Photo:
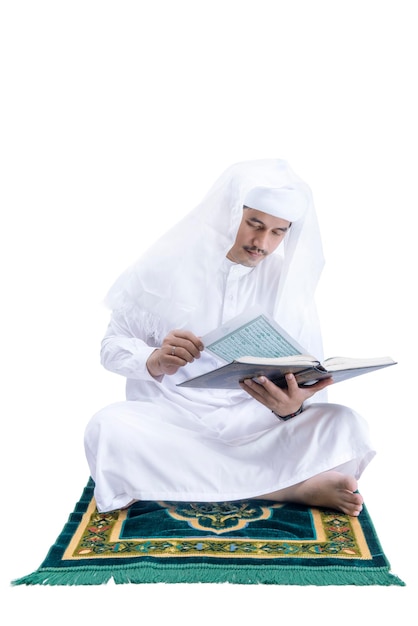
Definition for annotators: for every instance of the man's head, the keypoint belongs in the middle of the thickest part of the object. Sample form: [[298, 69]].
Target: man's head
[[259, 234], [267, 216]]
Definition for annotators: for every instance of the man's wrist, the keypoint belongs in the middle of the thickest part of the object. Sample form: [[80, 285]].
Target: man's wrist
[[284, 418], [153, 365]]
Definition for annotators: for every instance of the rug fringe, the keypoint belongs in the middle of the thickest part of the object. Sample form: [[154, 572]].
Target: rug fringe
[[321, 576], [67, 578]]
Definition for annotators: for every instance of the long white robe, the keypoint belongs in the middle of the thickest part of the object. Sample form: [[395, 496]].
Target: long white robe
[[171, 443]]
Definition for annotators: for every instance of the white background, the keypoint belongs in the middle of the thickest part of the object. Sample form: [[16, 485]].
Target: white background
[[116, 118]]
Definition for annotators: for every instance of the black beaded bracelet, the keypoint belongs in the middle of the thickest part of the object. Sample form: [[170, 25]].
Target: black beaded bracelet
[[284, 418]]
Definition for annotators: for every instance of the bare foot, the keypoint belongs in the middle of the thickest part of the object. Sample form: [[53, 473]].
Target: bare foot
[[329, 489]]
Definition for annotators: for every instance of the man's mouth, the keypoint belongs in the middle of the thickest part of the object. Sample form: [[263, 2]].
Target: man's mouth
[[254, 252]]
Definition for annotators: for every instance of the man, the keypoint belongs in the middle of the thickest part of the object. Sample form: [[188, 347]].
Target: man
[[253, 240]]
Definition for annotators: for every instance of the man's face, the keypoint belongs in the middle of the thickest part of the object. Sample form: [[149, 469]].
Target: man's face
[[259, 234]]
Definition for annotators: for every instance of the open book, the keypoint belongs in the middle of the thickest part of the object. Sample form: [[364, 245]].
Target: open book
[[273, 354]]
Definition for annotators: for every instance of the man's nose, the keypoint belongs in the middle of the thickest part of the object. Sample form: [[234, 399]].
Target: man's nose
[[260, 240]]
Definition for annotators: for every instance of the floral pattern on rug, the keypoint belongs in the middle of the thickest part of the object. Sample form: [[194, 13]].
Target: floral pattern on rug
[[102, 534]]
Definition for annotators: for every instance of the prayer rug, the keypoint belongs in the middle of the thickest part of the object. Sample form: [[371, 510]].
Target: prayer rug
[[245, 542]]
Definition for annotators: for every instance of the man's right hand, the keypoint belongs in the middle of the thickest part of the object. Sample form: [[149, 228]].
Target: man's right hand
[[178, 348]]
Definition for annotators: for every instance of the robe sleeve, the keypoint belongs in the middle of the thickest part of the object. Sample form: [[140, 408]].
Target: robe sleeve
[[125, 347]]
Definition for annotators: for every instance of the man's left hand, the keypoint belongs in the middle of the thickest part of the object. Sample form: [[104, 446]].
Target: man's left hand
[[282, 401]]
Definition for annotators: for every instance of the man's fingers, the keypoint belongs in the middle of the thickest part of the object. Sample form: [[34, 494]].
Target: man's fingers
[[256, 390], [183, 344], [292, 384], [187, 355]]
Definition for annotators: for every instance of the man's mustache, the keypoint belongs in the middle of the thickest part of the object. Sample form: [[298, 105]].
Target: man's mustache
[[255, 249]]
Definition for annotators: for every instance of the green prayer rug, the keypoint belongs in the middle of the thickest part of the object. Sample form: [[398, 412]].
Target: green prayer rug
[[245, 542]]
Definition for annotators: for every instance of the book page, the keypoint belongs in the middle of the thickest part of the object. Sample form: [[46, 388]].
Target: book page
[[294, 360], [334, 364], [250, 334]]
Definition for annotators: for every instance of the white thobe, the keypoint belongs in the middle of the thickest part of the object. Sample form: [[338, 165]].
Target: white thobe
[[173, 443]]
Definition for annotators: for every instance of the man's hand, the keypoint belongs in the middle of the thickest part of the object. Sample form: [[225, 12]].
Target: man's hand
[[282, 401], [178, 348]]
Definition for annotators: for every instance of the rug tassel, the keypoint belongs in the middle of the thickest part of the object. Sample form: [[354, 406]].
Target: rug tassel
[[321, 576], [69, 578]]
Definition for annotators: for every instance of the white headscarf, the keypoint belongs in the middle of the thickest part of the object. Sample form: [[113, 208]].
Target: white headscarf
[[172, 280]]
